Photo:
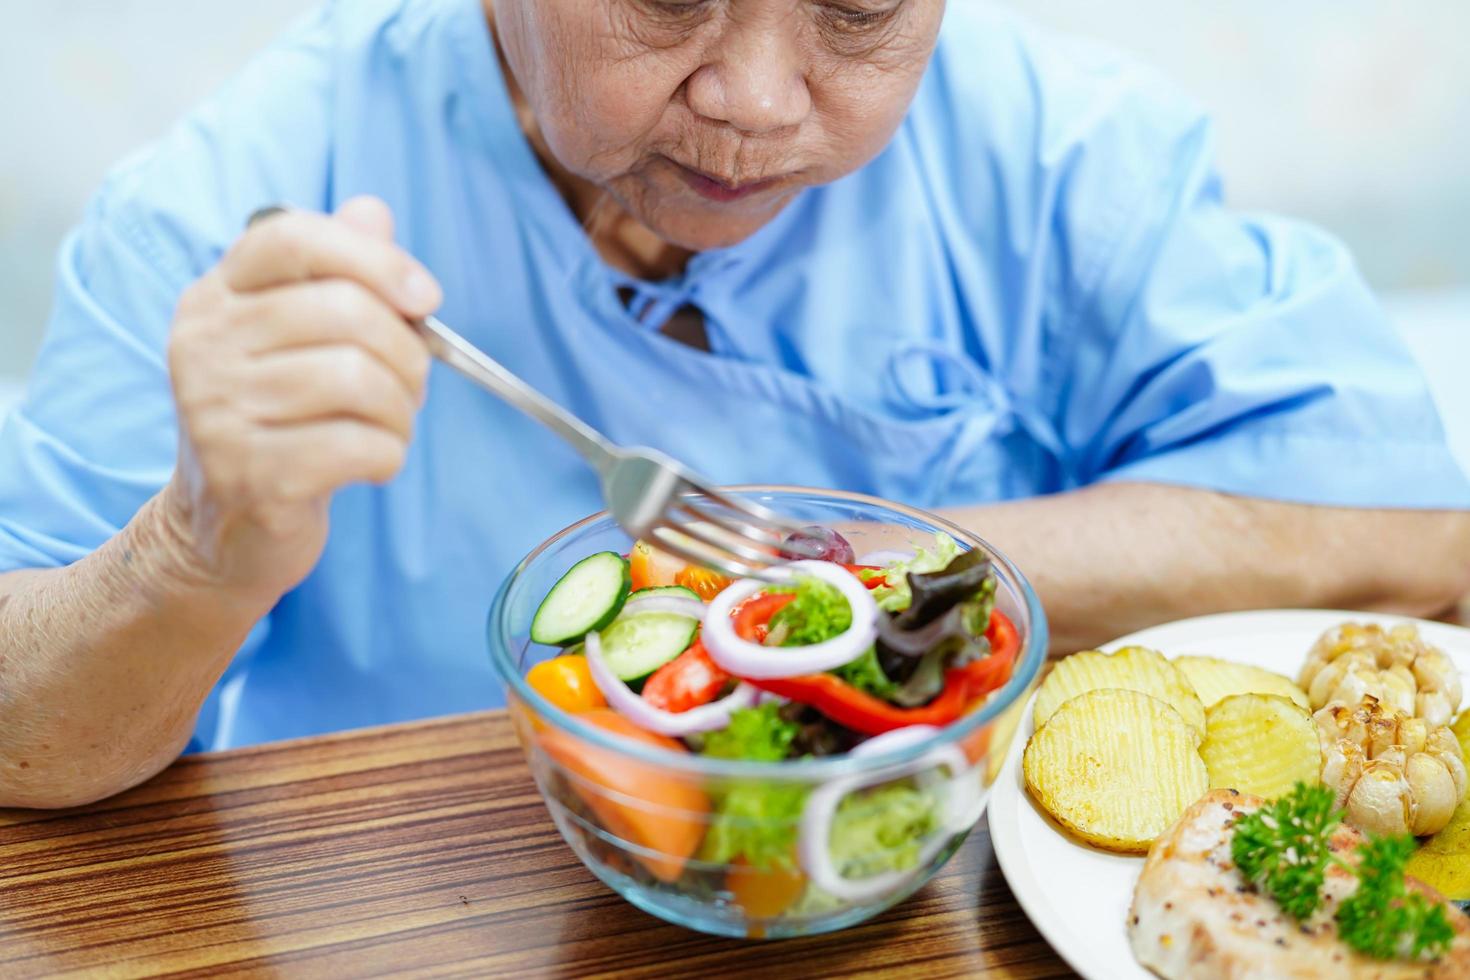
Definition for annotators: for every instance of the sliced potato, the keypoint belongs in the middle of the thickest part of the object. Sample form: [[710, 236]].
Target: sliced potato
[[1131, 669], [1115, 767], [1214, 680], [1260, 744]]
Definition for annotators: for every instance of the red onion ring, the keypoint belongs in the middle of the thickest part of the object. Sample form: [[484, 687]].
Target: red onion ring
[[744, 658], [962, 804]]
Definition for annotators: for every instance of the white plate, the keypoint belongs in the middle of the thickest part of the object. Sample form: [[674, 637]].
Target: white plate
[[1078, 896]]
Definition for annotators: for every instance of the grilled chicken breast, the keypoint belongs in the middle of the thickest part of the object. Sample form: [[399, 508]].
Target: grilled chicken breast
[[1194, 916]]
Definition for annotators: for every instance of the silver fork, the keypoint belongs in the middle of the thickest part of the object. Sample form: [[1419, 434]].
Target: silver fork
[[643, 488]]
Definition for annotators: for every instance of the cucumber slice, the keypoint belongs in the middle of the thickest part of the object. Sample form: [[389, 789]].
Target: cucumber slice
[[677, 591], [636, 645], [588, 597]]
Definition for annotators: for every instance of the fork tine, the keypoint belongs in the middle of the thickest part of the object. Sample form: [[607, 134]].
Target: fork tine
[[758, 514], [734, 524], [674, 547], [677, 547], [754, 520], [724, 538]]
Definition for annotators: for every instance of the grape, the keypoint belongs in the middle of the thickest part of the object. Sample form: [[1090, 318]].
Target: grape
[[819, 543]]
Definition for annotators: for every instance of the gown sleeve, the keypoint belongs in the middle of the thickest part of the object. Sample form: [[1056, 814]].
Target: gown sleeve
[[95, 434], [1242, 353]]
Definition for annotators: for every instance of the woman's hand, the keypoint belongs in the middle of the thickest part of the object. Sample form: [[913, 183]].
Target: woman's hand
[[295, 374]]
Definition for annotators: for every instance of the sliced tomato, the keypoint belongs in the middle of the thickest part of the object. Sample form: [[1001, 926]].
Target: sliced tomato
[[662, 813], [753, 616], [872, 582], [687, 681], [703, 582], [649, 567]]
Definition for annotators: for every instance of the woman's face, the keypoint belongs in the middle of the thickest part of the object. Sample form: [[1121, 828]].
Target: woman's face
[[703, 118]]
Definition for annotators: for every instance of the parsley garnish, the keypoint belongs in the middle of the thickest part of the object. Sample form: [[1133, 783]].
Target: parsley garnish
[[1284, 849], [1381, 918]]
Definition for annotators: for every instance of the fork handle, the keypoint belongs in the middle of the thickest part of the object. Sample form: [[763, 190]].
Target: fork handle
[[497, 379]]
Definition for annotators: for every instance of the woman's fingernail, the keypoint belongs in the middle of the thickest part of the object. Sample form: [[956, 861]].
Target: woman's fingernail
[[419, 290]]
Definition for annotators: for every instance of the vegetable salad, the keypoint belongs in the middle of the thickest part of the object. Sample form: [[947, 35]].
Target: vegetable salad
[[840, 656]]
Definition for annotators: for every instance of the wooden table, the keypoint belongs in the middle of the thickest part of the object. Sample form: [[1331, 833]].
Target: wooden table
[[413, 849]]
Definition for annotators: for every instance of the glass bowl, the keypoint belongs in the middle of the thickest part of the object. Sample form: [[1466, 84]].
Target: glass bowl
[[725, 846]]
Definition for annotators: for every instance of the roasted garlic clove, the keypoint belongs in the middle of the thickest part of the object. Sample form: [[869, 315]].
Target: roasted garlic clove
[[1349, 721], [1433, 791], [1383, 732], [1347, 679], [1381, 801], [1413, 734], [1342, 764], [1396, 689], [1443, 745], [1390, 772], [1435, 707], [1397, 667]]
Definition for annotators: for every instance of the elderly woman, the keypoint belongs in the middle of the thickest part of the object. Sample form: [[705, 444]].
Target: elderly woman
[[826, 242]]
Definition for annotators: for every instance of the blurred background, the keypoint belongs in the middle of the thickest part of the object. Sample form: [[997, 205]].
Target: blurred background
[[1352, 113]]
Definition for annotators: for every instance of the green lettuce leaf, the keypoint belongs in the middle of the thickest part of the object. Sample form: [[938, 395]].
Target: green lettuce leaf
[[866, 674], [894, 595], [759, 734], [819, 612], [755, 819]]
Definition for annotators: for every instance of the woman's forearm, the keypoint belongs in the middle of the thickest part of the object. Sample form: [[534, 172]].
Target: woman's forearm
[[1113, 558], [104, 664]]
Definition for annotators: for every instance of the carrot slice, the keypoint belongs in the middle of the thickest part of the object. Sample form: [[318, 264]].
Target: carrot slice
[[639, 803], [764, 893]]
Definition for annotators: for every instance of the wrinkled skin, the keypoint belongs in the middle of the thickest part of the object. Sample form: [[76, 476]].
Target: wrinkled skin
[[792, 93]]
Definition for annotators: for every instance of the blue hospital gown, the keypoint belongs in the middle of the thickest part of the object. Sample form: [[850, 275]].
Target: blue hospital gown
[[1035, 287]]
